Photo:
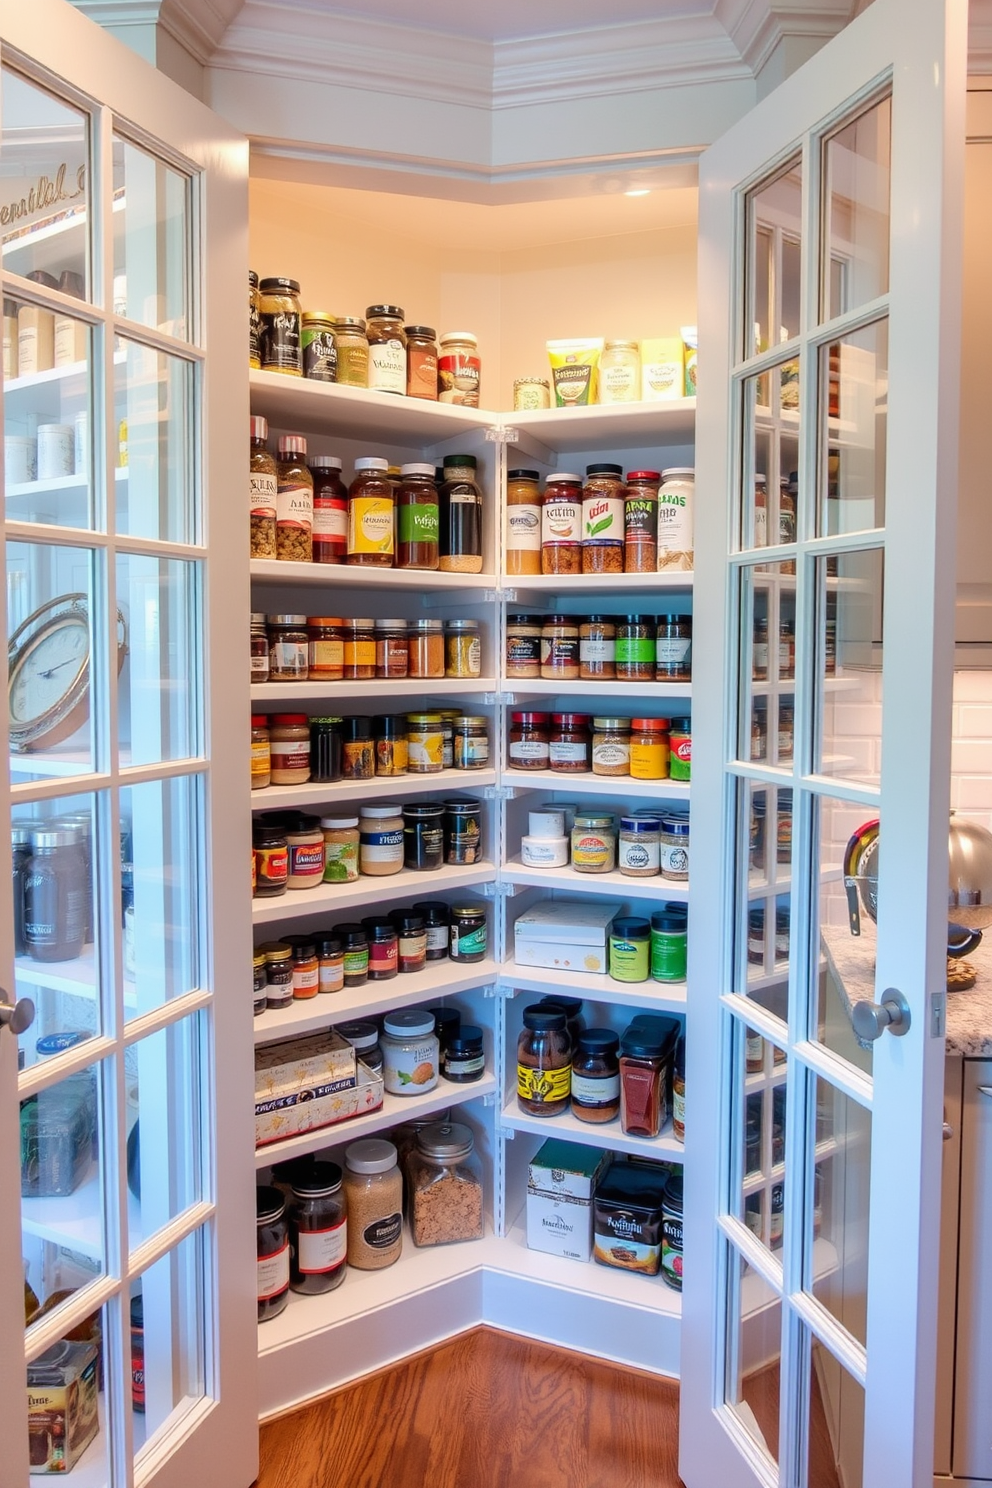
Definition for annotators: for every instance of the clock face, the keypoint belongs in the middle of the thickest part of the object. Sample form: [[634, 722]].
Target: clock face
[[47, 676]]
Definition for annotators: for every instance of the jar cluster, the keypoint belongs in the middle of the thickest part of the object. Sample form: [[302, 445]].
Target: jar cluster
[[600, 744], [292, 850], [605, 522], [332, 648], [377, 351], [413, 516], [644, 843], [599, 648], [293, 748]]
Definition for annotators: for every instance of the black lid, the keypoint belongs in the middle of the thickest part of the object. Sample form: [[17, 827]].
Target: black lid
[[252, 279], [606, 469], [464, 1040], [292, 285], [448, 1019], [269, 1203], [545, 1019], [456, 460], [422, 810], [638, 619], [435, 912], [427, 331], [138, 1311], [379, 927], [320, 1178], [571, 1005], [597, 1041], [389, 726], [523, 475], [464, 808], [630, 926], [41, 276], [644, 1040], [673, 1192], [303, 946], [394, 312], [680, 1055], [406, 920], [357, 728], [756, 916], [661, 919], [329, 945], [354, 935]]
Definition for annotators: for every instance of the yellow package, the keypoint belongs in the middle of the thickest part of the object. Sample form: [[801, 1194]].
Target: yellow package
[[661, 368], [575, 371], [690, 346]]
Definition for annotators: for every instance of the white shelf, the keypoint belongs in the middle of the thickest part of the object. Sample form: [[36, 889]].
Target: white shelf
[[79, 976], [595, 986], [305, 406], [616, 885], [439, 979], [32, 380], [341, 576], [381, 695], [340, 898], [643, 695], [663, 1148], [394, 1111], [75, 1221], [670, 581], [334, 793], [595, 785], [609, 425], [584, 1277], [52, 763]]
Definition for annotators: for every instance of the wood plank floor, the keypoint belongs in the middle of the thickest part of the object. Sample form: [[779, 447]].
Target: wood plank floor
[[486, 1410]]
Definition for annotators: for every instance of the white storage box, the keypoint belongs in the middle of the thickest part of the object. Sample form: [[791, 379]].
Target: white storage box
[[567, 934], [319, 1058], [559, 1225]]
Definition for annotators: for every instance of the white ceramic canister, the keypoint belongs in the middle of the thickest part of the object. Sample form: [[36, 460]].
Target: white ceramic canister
[[676, 496], [548, 822], [56, 451], [20, 459], [544, 852]]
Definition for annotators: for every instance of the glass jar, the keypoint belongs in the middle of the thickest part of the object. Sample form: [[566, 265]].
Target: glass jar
[[330, 510], [460, 516], [279, 316], [426, 648], [423, 836], [320, 357], [305, 969], [594, 842], [597, 648], [669, 940], [639, 847], [676, 499], [412, 935], [459, 370], [673, 648], [410, 1052], [271, 860], [629, 949], [278, 973], [357, 749], [468, 933], [569, 743], [330, 963], [462, 832], [636, 653], [363, 1037], [595, 1085], [371, 517], [259, 648], [544, 1062], [671, 1225], [272, 1251], [289, 648], [392, 751], [560, 648], [471, 742], [373, 1189], [261, 757], [326, 748], [289, 744], [352, 346], [640, 522], [786, 649], [417, 518], [444, 1180], [649, 749], [425, 742], [786, 731], [325, 647], [392, 651], [305, 845], [561, 524], [254, 326], [602, 519], [436, 916], [523, 523], [759, 650], [340, 848], [449, 717], [263, 487], [421, 362], [530, 394], [463, 1058], [675, 848], [760, 512], [359, 649], [294, 501], [611, 746], [620, 372], [529, 741], [355, 948], [642, 1076], [387, 348], [523, 646], [680, 740], [258, 983], [380, 852], [318, 1230], [383, 948], [462, 649]]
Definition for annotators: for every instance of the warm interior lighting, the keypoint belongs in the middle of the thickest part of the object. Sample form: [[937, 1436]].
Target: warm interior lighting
[[641, 191]]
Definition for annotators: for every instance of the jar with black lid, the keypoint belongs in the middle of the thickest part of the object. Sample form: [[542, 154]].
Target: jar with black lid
[[387, 348], [363, 1036], [447, 1021], [569, 743], [673, 648], [254, 322], [460, 517], [572, 1008], [384, 954], [271, 859], [469, 932], [259, 646], [412, 933], [272, 1250], [318, 1230], [358, 750], [463, 1058], [421, 362], [259, 1002], [423, 836], [278, 973], [279, 316], [596, 1075], [355, 940], [462, 832], [529, 741], [636, 649], [392, 751], [544, 1062], [325, 748], [436, 916]]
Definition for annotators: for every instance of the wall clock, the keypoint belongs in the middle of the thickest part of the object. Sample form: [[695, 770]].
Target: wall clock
[[48, 672]]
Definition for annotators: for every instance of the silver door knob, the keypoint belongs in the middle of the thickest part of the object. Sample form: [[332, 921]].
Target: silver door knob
[[871, 1019], [17, 1016]]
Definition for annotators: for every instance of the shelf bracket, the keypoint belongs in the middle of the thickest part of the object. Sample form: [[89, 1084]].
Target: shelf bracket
[[499, 793], [501, 434], [507, 1133]]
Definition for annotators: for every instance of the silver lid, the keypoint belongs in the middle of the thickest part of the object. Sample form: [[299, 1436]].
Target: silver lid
[[44, 837], [371, 1155], [286, 619], [446, 1139]]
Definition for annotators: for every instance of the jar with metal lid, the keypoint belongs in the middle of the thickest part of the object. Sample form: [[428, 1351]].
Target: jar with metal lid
[[410, 1052], [417, 518], [468, 932], [560, 647], [620, 372], [530, 394], [675, 847], [371, 516], [392, 654], [330, 509], [459, 369], [561, 524], [595, 1083], [325, 648], [383, 948], [259, 648], [254, 325], [278, 973], [392, 751], [261, 756], [330, 963], [680, 740], [320, 355], [373, 1187], [676, 499], [387, 348], [258, 983], [294, 501], [279, 316], [305, 845], [289, 745], [639, 847], [380, 852], [426, 648], [340, 848], [640, 518], [421, 362], [355, 945], [436, 916], [318, 1230], [263, 487], [528, 746], [359, 649], [649, 748], [523, 523], [603, 497], [326, 748], [462, 832], [352, 346], [444, 1179], [289, 648], [544, 1062], [271, 858], [611, 746], [425, 743], [460, 516], [597, 648], [673, 648], [423, 836], [363, 1036], [523, 646], [412, 935], [636, 655], [462, 649], [569, 743], [357, 749], [471, 742], [594, 842], [272, 1252]]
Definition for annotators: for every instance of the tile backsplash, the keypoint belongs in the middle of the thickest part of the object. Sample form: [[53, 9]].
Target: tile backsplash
[[971, 746]]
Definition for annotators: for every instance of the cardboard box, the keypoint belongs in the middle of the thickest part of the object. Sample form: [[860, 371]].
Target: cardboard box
[[62, 1406], [662, 369], [300, 1063], [568, 1170], [564, 933], [310, 1107], [559, 1225]]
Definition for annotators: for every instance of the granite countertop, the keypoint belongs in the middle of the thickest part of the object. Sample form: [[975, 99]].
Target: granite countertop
[[851, 959]]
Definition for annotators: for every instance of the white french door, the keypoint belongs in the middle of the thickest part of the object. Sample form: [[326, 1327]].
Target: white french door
[[125, 1105], [830, 225]]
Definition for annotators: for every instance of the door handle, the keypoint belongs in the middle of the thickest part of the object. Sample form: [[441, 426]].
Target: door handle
[[871, 1019], [947, 1131], [17, 1016]]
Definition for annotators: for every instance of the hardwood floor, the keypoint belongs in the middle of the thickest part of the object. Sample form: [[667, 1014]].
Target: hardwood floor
[[486, 1410]]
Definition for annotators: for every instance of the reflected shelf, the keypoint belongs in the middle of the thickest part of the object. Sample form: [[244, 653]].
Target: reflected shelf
[[638, 693], [76, 1220], [418, 690], [333, 792], [607, 425], [518, 586], [343, 576]]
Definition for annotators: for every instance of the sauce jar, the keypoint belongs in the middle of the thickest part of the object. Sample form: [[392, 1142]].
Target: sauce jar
[[254, 326], [594, 843], [330, 510], [325, 648], [279, 317], [330, 963], [320, 357], [410, 1052], [569, 743], [597, 648], [355, 946], [359, 649], [380, 851], [371, 516], [306, 975], [340, 848], [640, 522], [426, 648], [603, 519], [673, 648], [522, 553], [392, 751], [357, 749], [636, 649], [595, 1085], [649, 750], [263, 486], [544, 1062], [611, 746], [421, 362], [561, 524], [259, 646], [373, 1187], [387, 348], [436, 916], [471, 742], [289, 648], [278, 973], [468, 932], [459, 370], [305, 845], [463, 1059], [560, 648], [417, 518], [392, 648], [462, 649], [383, 948], [412, 935], [462, 832], [318, 1230], [352, 346], [423, 836], [639, 846], [261, 757], [294, 501], [272, 1251], [271, 860], [523, 646], [289, 745], [425, 742], [680, 739], [528, 747]]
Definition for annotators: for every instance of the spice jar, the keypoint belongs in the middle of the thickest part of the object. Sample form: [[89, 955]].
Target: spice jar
[[325, 748], [523, 522], [560, 648], [569, 743], [636, 649], [639, 846], [380, 852], [611, 746], [629, 949], [468, 932], [459, 370], [426, 648], [370, 515], [305, 968], [364, 1039], [620, 372], [544, 1062], [680, 739], [254, 326], [643, 1073], [340, 848], [597, 648], [320, 357], [676, 498], [325, 648], [289, 744], [357, 749], [387, 348], [462, 832], [444, 1178], [259, 648], [271, 860], [289, 648], [461, 506], [294, 501], [383, 948], [673, 648], [417, 518], [595, 1085], [528, 747], [594, 842], [449, 717], [436, 916], [330, 963], [423, 836], [471, 742], [421, 362], [462, 649], [391, 747], [261, 757], [359, 649], [278, 973], [640, 522], [279, 317], [352, 346], [272, 1251], [602, 519], [425, 742], [318, 1230], [263, 487], [410, 1052], [561, 524], [530, 394], [305, 846], [258, 983], [668, 943], [373, 1189], [392, 655], [355, 945], [330, 510], [523, 646], [649, 748], [675, 847], [412, 935]]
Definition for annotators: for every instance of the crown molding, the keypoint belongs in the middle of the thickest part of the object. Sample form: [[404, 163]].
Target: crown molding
[[110, 13], [199, 25], [757, 26]]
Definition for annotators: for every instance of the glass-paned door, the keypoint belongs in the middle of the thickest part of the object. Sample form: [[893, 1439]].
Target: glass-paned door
[[125, 932], [830, 229]]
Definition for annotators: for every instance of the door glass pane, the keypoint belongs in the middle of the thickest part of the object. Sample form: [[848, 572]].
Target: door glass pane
[[850, 590], [836, 1264], [161, 684], [836, 1423], [763, 943], [167, 1338], [856, 186], [774, 252], [846, 839], [44, 165], [753, 1359], [165, 1132], [61, 1180], [151, 240], [154, 477], [68, 1429], [762, 1199], [161, 890], [852, 432], [771, 459], [768, 664]]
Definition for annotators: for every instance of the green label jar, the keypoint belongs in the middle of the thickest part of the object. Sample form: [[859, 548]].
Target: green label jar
[[630, 944], [668, 947]]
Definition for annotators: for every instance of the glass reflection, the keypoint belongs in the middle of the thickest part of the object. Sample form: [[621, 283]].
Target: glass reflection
[[856, 175], [846, 838], [61, 1172], [44, 195], [853, 423], [162, 1076], [167, 1344], [836, 1261], [771, 458], [753, 1378], [154, 481], [160, 889], [836, 1405], [47, 467], [850, 594], [161, 685], [774, 259], [152, 267]]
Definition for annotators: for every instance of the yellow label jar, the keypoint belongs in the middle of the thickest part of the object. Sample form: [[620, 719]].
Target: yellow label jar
[[425, 743], [370, 515], [649, 750], [594, 843]]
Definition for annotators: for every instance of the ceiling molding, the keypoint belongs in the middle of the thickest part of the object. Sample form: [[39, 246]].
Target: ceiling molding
[[757, 26], [110, 13], [199, 25]]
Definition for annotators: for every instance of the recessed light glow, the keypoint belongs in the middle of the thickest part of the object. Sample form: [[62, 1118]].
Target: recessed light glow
[[643, 191]]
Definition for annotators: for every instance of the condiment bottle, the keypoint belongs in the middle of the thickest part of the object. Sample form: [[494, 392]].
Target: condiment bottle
[[55, 907], [561, 524], [421, 362], [461, 512], [459, 369], [596, 1075], [330, 510], [544, 1062], [325, 648], [370, 515], [523, 646], [643, 1108], [676, 498], [523, 522], [387, 348], [417, 518], [294, 502], [320, 356], [279, 326], [263, 487], [411, 1052]]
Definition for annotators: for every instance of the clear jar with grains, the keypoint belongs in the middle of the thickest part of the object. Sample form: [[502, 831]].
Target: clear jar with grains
[[673, 648], [570, 744], [523, 646], [676, 500], [640, 517], [263, 488], [611, 746], [444, 1176], [289, 648], [373, 1187], [636, 649], [352, 346], [289, 745], [387, 348], [560, 647], [603, 498], [371, 515], [330, 510], [462, 649], [392, 651], [674, 841], [294, 502], [426, 648], [561, 524], [598, 648], [523, 522], [594, 842], [279, 317], [620, 372], [639, 846], [421, 362]]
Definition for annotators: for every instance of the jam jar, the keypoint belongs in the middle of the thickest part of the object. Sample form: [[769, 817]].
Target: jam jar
[[387, 348], [529, 741], [272, 1249], [569, 743]]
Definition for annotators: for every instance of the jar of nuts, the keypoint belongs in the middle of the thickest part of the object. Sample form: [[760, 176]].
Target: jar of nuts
[[444, 1179], [263, 486], [294, 502]]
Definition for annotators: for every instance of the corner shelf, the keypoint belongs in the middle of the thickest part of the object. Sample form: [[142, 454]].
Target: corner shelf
[[334, 793], [334, 898], [616, 884], [663, 1148], [304, 405], [594, 785], [417, 689], [595, 986], [344, 576]]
